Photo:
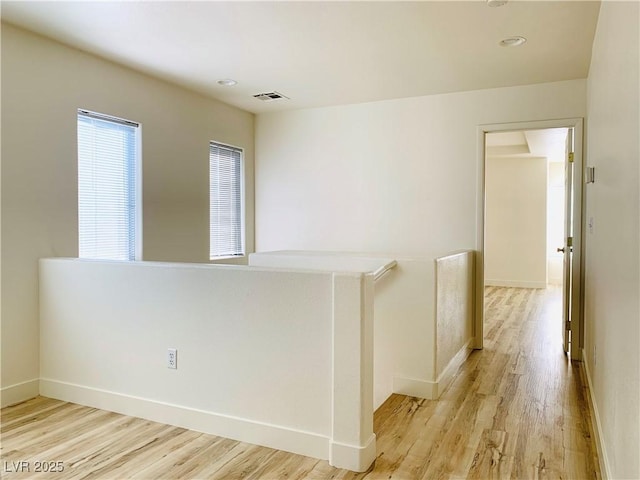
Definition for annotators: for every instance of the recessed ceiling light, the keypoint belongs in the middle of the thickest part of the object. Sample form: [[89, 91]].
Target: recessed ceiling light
[[512, 42], [496, 3], [227, 82]]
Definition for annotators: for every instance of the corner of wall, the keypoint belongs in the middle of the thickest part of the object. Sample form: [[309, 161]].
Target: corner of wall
[[354, 458], [353, 444]]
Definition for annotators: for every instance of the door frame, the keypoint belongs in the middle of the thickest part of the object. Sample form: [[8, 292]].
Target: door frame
[[577, 308]]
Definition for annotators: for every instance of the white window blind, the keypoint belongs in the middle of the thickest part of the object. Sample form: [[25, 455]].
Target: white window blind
[[225, 201], [107, 187]]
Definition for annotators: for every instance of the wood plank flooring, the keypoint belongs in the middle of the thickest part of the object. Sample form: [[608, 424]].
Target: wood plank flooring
[[517, 409]]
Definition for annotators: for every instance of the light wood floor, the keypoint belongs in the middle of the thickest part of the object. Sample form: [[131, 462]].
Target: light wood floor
[[516, 409]]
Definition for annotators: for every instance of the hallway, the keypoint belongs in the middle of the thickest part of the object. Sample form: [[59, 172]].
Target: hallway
[[517, 409]]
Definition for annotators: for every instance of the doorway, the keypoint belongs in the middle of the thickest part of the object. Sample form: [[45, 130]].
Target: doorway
[[522, 227]]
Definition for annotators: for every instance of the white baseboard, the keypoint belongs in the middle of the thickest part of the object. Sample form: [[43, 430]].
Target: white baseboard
[[605, 470], [414, 387], [354, 458], [514, 283], [272, 436], [19, 392], [444, 379]]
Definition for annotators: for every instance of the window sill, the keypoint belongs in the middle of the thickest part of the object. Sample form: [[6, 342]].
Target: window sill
[[230, 259]]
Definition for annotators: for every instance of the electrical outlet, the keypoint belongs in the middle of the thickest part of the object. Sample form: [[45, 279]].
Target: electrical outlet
[[172, 358]]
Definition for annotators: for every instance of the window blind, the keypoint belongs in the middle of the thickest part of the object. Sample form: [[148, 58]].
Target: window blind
[[225, 201], [107, 183]]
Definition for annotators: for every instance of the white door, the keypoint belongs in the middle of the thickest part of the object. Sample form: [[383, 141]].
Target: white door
[[567, 248]]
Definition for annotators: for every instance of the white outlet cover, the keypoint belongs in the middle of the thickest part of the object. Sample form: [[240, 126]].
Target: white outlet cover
[[172, 358]]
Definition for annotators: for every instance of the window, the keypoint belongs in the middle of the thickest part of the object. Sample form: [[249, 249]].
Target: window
[[108, 187], [225, 201]]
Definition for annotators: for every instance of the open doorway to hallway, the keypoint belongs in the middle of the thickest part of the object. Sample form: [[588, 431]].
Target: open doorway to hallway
[[572, 319], [518, 234], [524, 207], [531, 209]]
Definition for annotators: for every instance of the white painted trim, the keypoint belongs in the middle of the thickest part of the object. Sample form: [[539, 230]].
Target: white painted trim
[[478, 320], [444, 379], [352, 457], [514, 284], [272, 436], [19, 392], [414, 387], [605, 470]]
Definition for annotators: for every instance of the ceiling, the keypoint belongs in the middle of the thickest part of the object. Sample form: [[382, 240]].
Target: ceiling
[[326, 53], [549, 143]]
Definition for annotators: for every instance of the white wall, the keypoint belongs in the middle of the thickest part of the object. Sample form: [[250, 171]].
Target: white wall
[[612, 328], [277, 358], [555, 222], [515, 252], [396, 176], [107, 326], [43, 85], [399, 177], [422, 315], [383, 358], [409, 283]]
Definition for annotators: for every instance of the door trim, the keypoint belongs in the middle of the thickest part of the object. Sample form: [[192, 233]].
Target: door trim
[[578, 225]]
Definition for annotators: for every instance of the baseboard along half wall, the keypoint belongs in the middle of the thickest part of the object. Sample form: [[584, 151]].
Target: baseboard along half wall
[[357, 459], [444, 379], [514, 284], [430, 390], [272, 436], [414, 387], [19, 392]]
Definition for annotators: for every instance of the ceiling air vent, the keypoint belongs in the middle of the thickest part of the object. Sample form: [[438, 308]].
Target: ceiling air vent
[[270, 96]]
